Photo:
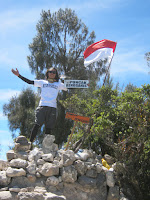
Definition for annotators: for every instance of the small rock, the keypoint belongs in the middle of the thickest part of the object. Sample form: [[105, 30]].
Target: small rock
[[67, 158], [52, 181], [31, 168], [48, 157], [22, 144], [4, 180], [110, 160], [35, 154], [40, 162], [38, 175], [14, 189], [11, 155], [4, 189], [80, 167], [49, 169], [69, 174], [11, 172], [48, 144], [4, 165], [40, 189], [50, 196], [30, 195], [84, 155], [21, 140], [5, 195], [18, 163], [110, 178], [98, 167], [31, 178], [24, 190], [22, 155]]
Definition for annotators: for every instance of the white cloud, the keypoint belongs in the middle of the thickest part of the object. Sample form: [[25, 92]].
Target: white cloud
[[6, 94], [22, 17], [89, 6], [9, 56], [124, 62], [5, 57], [129, 57], [13, 20]]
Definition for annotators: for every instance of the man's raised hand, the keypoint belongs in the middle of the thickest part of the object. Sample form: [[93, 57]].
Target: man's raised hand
[[16, 72]]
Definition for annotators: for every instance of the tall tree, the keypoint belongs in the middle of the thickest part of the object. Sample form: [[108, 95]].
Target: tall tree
[[20, 112], [60, 41]]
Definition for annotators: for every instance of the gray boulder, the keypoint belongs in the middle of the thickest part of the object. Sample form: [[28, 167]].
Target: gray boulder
[[6, 195], [22, 144], [67, 158], [11, 155], [48, 145], [30, 196], [4, 179], [80, 167], [31, 168], [12, 172], [49, 169], [69, 174], [4, 165], [18, 163], [110, 178]]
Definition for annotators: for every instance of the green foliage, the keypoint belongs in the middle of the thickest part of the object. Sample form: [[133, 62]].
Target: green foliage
[[130, 88], [120, 128], [20, 112]]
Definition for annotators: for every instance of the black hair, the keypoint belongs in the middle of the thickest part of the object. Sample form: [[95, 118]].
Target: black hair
[[56, 77]]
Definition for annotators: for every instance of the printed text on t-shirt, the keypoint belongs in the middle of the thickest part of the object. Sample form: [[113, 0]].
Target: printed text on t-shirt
[[51, 86]]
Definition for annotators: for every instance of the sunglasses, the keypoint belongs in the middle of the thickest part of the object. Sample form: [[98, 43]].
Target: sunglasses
[[52, 72]]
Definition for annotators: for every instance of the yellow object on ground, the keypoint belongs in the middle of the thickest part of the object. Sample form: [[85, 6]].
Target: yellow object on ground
[[105, 164]]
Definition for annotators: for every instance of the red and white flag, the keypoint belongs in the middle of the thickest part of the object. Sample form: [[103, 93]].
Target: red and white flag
[[99, 51]]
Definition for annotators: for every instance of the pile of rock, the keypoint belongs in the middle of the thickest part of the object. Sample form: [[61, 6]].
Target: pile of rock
[[50, 173]]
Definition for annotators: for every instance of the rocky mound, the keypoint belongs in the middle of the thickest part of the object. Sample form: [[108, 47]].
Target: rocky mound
[[52, 173]]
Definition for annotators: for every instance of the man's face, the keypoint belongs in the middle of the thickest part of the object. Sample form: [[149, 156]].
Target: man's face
[[51, 74]]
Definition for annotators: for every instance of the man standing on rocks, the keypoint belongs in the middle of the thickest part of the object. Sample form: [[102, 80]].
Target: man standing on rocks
[[46, 111]]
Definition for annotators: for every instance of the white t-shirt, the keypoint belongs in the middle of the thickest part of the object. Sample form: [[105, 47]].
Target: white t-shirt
[[49, 92]]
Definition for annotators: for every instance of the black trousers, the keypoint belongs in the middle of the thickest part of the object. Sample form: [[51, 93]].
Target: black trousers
[[43, 115]]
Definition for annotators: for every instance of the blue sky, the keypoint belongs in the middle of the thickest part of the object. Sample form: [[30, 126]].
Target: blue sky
[[124, 21]]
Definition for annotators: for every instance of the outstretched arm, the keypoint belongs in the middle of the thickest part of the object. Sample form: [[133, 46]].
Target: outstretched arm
[[16, 72]]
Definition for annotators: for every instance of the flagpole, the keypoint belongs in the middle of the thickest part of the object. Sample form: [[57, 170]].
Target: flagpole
[[109, 67], [107, 70]]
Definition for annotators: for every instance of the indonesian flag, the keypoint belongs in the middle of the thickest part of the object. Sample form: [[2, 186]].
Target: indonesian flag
[[99, 51]]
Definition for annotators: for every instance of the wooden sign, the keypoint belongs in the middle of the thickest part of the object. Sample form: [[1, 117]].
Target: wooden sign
[[77, 118], [76, 83]]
